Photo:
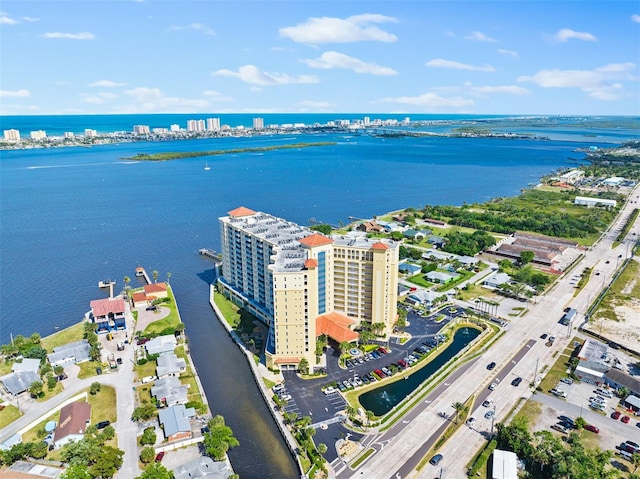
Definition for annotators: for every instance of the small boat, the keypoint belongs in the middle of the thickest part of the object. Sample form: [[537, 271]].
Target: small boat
[[105, 283], [206, 166]]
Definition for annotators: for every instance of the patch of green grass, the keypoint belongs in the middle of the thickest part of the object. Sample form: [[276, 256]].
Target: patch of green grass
[[557, 371], [88, 369], [66, 336], [48, 394], [361, 458], [5, 367], [531, 410], [8, 415], [464, 275], [37, 432], [170, 321], [228, 309], [103, 405], [268, 383], [420, 280], [144, 370]]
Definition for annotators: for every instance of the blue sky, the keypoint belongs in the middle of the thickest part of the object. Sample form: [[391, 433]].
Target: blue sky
[[414, 56]]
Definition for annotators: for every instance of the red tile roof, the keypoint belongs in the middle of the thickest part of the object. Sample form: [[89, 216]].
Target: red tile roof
[[155, 288], [380, 245], [311, 263], [242, 211], [315, 240], [336, 326], [74, 418], [139, 297], [102, 307]]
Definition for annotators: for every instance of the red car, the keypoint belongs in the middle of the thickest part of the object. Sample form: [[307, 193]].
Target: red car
[[160, 456], [625, 419], [615, 415], [592, 428]]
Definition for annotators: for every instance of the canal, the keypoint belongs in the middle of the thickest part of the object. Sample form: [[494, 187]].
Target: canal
[[382, 400]]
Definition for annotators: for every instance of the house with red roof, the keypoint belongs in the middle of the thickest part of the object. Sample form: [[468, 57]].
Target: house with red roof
[[108, 314]]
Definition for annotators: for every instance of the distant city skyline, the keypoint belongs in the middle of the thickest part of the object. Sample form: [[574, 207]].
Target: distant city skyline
[[415, 56]]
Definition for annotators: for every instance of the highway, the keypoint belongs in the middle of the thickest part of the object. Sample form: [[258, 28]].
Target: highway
[[399, 450]]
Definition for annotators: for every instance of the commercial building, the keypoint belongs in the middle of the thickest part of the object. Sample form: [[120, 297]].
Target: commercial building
[[195, 125], [38, 135], [141, 129], [12, 135], [213, 124], [590, 202], [89, 133], [298, 281], [258, 123]]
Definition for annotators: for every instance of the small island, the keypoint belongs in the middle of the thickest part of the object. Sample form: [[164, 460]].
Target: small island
[[175, 155]]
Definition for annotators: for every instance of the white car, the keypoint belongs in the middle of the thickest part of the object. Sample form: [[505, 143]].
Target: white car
[[286, 397], [488, 403], [492, 386], [558, 392]]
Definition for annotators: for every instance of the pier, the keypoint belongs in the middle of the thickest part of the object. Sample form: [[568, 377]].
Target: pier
[[141, 272], [209, 253]]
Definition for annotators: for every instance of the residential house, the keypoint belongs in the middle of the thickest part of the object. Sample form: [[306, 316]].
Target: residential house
[[437, 241], [170, 365], [409, 268], [175, 422], [170, 391], [370, 227], [74, 419], [633, 403], [27, 364], [108, 314], [156, 290], [30, 470], [440, 277], [71, 353], [161, 344], [140, 299], [496, 279], [425, 297], [19, 382], [203, 468]]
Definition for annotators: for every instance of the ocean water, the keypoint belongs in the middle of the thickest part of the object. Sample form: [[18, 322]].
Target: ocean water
[[70, 217]]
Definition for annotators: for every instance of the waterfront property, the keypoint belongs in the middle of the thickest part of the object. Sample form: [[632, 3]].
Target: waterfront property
[[108, 314], [303, 284], [175, 422], [71, 353]]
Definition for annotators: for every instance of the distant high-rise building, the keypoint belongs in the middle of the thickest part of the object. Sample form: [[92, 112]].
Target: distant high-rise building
[[367, 121], [213, 124], [12, 135], [38, 135], [89, 133], [195, 125], [160, 131], [258, 123], [175, 128], [303, 284], [69, 134], [141, 129]]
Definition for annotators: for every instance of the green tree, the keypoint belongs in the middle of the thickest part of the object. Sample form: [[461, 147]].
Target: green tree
[[623, 393], [322, 448], [94, 352], [147, 455], [580, 423], [322, 228], [108, 433], [36, 389], [526, 257], [397, 236], [458, 409], [51, 381], [76, 471], [370, 415], [344, 346], [219, 439], [148, 437], [303, 366], [635, 460], [144, 412], [168, 277], [156, 471], [155, 274], [58, 370], [95, 388], [107, 463]]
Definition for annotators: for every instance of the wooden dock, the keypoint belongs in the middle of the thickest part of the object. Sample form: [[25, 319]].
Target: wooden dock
[[141, 272], [209, 253]]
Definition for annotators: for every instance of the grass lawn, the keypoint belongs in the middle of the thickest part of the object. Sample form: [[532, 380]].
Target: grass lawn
[[88, 369], [557, 371], [66, 336], [8, 415], [171, 321], [531, 410], [474, 291], [5, 368], [420, 280], [37, 432], [189, 378], [103, 405], [238, 318], [464, 275], [48, 394], [148, 369]]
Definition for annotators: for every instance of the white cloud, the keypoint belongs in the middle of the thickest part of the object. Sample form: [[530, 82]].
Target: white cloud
[[70, 36], [511, 53], [15, 93], [5, 19], [509, 89], [357, 28], [442, 63], [106, 83], [30, 19], [314, 104], [430, 100], [216, 96], [635, 18], [333, 59], [480, 37], [198, 27], [254, 76], [601, 83], [155, 100], [567, 34]]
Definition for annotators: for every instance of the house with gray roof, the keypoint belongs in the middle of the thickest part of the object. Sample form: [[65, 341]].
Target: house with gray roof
[[495, 279], [169, 365], [170, 391], [618, 379], [71, 353], [203, 468], [16, 383], [27, 364], [409, 268], [440, 277], [175, 422], [161, 344], [467, 260], [425, 297]]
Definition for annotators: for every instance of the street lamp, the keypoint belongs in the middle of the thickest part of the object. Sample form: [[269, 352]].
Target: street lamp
[[493, 417]]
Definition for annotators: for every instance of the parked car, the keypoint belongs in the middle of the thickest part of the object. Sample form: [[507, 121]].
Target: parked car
[[435, 460], [558, 392], [329, 390], [103, 424], [491, 365], [544, 336], [559, 427], [604, 392], [492, 386], [471, 421], [592, 428], [159, 456], [615, 415], [625, 419], [566, 380], [286, 397], [489, 414], [516, 382], [631, 447], [488, 402]]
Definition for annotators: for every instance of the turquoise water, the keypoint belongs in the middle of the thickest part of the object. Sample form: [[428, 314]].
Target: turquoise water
[[382, 400]]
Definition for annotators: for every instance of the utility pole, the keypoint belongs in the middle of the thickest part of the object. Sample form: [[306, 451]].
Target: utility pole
[[535, 374], [492, 420]]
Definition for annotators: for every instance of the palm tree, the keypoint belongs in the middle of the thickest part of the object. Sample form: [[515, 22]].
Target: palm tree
[[155, 275], [351, 411], [370, 416], [458, 408], [168, 277], [623, 393], [322, 448], [303, 366]]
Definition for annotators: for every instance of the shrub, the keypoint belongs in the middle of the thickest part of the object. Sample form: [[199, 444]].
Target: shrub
[[147, 455], [95, 388]]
